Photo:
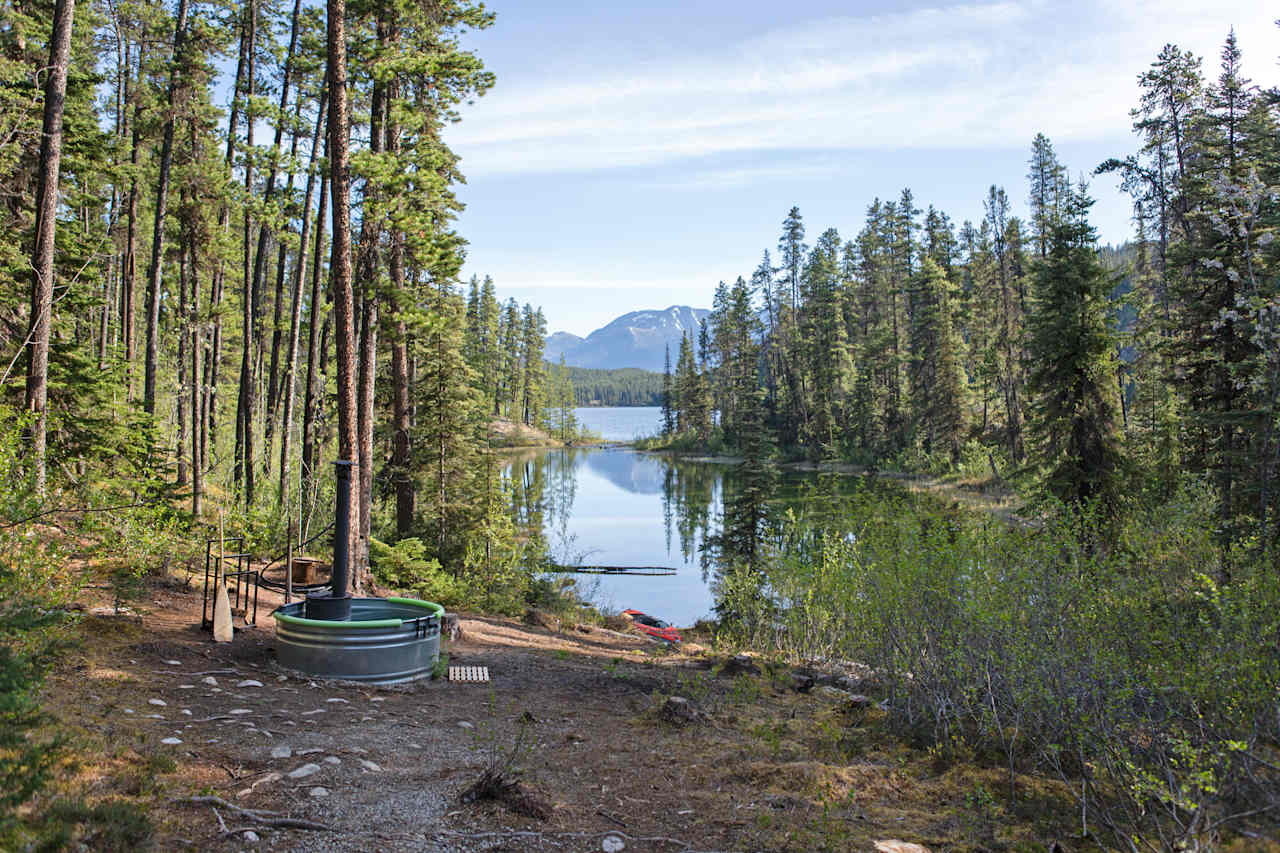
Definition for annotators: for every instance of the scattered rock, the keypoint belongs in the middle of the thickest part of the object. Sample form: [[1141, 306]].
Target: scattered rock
[[679, 711], [186, 712], [801, 682], [173, 663], [250, 836], [894, 846], [612, 844], [249, 682], [159, 703], [209, 680], [739, 665], [465, 725], [335, 699], [542, 619], [239, 711], [171, 741], [186, 687], [310, 751], [324, 792], [332, 759], [128, 710], [155, 716], [316, 711], [304, 771], [282, 751], [370, 766]]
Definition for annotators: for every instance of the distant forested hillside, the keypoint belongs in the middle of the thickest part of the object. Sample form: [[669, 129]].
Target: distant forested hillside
[[627, 386]]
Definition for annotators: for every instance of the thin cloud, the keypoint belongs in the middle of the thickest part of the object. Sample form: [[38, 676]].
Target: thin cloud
[[977, 75]]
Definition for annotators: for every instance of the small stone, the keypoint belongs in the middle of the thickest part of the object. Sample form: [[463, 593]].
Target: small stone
[[332, 759], [343, 701], [209, 680], [155, 716], [415, 746], [895, 846], [238, 711], [358, 750], [316, 711], [465, 725], [159, 703], [186, 711], [250, 836], [282, 751], [612, 844], [679, 711], [378, 699], [171, 741], [282, 678], [173, 663], [366, 719], [186, 687], [311, 751], [370, 766], [319, 792], [249, 682], [304, 771], [128, 710]]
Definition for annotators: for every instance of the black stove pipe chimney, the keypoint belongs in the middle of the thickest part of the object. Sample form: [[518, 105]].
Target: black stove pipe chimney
[[335, 605]]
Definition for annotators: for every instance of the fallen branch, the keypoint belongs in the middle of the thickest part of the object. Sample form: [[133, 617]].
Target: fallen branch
[[264, 818]]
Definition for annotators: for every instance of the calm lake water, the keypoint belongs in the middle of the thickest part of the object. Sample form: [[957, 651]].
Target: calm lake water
[[620, 423], [614, 506], [619, 507]]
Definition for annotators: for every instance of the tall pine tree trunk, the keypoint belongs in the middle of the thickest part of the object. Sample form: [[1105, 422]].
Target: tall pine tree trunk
[[366, 277], [315, 350], [265, 233], [291, 362], [340, 256], [55, 95], [157, 234], [400, 447], [245, 399]]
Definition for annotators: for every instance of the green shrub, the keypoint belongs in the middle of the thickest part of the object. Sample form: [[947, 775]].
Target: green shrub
[[1120, 664]]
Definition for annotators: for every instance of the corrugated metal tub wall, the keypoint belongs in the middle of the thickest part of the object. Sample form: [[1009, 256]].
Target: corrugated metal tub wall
[[386, 641]]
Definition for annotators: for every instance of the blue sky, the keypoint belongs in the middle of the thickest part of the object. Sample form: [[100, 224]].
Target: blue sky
[[632, 154]]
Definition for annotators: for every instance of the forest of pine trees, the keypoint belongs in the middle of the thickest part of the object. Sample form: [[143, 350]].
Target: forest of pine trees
[[1022, 347], [207, 299]]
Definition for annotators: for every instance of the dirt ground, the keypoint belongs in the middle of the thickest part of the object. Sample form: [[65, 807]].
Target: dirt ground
[[160, 713]]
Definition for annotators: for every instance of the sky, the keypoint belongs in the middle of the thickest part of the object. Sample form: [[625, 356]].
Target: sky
[[634, 154]]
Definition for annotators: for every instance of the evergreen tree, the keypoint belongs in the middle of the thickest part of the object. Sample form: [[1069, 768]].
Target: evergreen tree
[[668, 395], [937, 378], [1072, 350]]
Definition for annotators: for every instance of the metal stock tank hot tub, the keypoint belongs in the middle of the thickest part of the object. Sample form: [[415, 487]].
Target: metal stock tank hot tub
[[385, 640]]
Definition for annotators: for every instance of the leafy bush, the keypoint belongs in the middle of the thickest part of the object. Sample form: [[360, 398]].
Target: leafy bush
[[1123, 665]]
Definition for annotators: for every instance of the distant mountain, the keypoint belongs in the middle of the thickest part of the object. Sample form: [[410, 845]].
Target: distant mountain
[[638, 339]]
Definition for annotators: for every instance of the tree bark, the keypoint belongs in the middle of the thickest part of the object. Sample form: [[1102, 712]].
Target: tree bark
[[265, 232], [154, 270], [39, 332], [315, 350], [291, 361], [340, 255], [366, 277], [245, 399], [400, 447]]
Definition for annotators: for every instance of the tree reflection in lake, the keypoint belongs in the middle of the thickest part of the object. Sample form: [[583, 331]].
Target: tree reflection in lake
[[619, 507]]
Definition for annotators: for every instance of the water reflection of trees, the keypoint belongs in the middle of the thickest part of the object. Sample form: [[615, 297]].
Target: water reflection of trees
[[802, 515]]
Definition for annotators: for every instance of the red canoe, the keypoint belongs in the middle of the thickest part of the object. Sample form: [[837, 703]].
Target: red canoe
[[655, 628]]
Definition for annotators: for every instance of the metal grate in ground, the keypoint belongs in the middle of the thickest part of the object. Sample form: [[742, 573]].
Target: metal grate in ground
[[469, 674]]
